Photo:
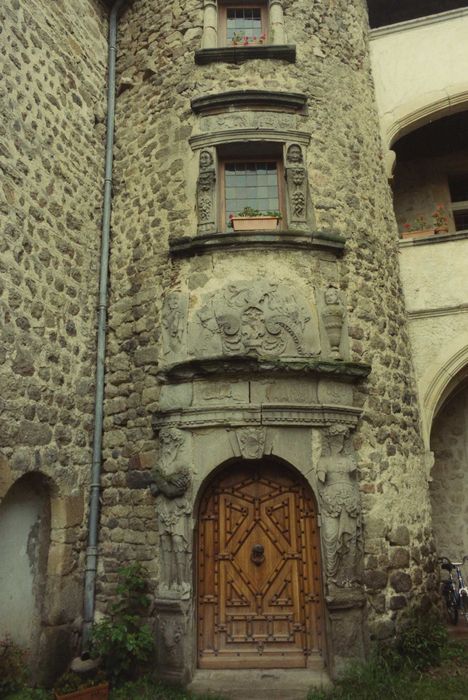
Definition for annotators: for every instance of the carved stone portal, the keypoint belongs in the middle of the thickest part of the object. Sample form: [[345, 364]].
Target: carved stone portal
[[206, 192], [261, 318], [170, 484], [340, 507]]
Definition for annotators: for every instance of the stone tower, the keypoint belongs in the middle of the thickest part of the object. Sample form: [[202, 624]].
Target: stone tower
[[260, 381]]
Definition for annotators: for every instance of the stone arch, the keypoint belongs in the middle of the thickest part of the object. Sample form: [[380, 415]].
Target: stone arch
[[441, 378], [424, 109]]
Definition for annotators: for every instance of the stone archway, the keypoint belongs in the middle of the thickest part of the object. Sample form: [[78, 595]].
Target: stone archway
[[449, 486], [259, 578], [25, 523]]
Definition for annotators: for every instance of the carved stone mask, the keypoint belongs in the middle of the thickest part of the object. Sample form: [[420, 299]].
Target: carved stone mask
[[294, 154], [206, 160]]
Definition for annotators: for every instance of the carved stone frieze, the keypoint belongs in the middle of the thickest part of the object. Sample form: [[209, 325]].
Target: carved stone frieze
[[244, 120], [206, 191], [260, 318], [340, 508]]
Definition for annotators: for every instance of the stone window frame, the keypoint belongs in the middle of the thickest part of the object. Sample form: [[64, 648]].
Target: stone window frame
[[262, 5], [212, 48]]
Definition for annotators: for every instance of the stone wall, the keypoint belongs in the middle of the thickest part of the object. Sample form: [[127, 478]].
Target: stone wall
[[54, 58], [155, 197]]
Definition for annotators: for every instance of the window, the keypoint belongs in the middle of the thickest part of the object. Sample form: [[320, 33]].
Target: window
[[242, 25], [250, 177], [459, 194]]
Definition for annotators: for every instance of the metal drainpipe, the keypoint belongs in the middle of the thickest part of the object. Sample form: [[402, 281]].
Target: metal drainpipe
[[95, 489]]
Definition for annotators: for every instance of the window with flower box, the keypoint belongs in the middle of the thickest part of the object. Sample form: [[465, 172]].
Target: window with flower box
[[242, 25], [459, 194]]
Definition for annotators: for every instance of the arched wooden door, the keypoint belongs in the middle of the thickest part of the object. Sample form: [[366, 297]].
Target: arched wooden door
[[259, 580]]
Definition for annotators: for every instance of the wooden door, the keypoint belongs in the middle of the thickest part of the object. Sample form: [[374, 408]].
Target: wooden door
[[259, 581]]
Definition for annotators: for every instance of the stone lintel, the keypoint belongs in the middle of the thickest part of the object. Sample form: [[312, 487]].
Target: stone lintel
[[239, 54], [291, 240], [299, 415], [250, 366], [291, 101]]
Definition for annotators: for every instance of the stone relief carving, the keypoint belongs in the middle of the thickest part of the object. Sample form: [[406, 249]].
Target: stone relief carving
[[333, 316], [206, 192], [170, 481], [251, 442], [174, 325], [246, 120], [261, 318], [340, 507], [172, 632], [297, 187]]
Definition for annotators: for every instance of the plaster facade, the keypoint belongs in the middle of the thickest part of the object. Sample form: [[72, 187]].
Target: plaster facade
[[290, 345]]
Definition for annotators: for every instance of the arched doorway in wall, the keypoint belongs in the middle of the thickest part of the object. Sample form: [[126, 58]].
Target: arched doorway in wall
[[24, 548], [259, 580], [449, 486]]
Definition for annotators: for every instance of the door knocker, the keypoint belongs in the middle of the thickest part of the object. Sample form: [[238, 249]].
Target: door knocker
[[258, 554]]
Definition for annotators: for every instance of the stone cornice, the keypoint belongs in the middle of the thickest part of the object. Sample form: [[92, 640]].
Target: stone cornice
[[239, 54], [418, 22], [257, 414], [292, 101], [246, 365], [185, 246]]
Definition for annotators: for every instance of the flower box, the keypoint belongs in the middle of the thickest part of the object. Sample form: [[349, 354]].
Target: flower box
[[254, 223], [424, 233], [96, 692]]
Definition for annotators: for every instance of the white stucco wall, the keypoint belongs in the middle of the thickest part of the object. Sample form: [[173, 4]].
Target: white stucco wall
[[420, 67], [20, 515]]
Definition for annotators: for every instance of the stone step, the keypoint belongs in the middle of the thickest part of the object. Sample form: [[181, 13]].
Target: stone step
[[259, 684]]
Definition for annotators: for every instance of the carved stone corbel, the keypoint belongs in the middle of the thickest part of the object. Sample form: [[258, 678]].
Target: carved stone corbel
[[206, 191]]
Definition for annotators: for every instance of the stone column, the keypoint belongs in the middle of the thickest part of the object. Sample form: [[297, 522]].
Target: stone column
[[277, 34], [210, 25]]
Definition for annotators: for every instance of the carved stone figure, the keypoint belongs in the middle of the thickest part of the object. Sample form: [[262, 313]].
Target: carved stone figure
[[170, 483], [340, 507], [297, 189], [172, 634], [251, 442], [264, 318], [174, 322], [206, 189], [333, 320]]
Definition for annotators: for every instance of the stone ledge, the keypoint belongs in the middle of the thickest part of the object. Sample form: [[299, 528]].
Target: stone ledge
[[248, 365], [292, 240], [267, 415], [434, 240], [293, 101], [238, 54]]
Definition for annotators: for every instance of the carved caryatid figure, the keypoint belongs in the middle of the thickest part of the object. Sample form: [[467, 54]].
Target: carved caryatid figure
[[296, 180], [206, 188], [173, 322], [340, 507], [171, 480], [333, 315]]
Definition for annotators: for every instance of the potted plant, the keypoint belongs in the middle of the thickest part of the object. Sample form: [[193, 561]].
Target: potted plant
[[440, 218], [239, 40], [418, 229], [254, 220], [76, 686]]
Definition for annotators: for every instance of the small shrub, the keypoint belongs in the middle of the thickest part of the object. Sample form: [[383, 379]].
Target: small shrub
[[70, 681], [122, 642], [421, 640], [13, 669]]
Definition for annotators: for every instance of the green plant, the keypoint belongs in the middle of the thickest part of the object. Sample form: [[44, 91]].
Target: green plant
[[440, 216], [123, 642], [250, 212], [421, 640], [70, 681], [13, 669]]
